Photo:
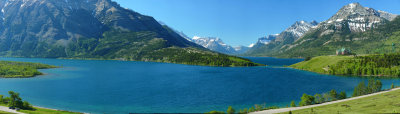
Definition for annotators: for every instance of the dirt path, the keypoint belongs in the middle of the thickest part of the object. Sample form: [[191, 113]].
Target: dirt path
[[6, 109], [273, 111]]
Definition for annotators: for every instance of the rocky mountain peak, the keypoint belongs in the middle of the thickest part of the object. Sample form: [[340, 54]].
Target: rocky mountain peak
[[358, 18], [214, 43], [301, 27], [267, 39]]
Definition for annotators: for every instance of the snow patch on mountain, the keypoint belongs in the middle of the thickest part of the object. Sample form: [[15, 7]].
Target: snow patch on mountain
[[358, 18], [267, 39], [301, 27]]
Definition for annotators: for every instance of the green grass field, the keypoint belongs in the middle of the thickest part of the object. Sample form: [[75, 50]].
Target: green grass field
[[2, 112], [383, 103], [46, 111], [317, 64]]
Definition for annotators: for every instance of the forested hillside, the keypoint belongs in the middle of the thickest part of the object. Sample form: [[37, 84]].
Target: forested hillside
[[96, 29], [361, 29], [383, 39]]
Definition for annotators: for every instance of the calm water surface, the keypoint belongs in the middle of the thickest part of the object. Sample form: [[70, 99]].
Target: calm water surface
[[145, 87]]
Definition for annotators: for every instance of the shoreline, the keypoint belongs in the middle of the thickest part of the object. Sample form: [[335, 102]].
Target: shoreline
[[100, 59], [58, 109], [344, 75]]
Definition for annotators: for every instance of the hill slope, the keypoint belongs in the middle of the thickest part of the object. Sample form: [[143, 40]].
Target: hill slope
[[358, 28], [100, 29]]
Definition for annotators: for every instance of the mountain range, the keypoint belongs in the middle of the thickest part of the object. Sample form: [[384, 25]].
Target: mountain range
[[277, 41], [216, 44], [96, 29], [361, 29], [102, 29], [212, 43]]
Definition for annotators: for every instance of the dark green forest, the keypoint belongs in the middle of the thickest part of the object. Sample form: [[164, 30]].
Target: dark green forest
[[370, 65]]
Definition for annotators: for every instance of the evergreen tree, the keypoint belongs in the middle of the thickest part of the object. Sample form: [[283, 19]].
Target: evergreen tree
[[333, 94], [378, 86], [342, 95], [15, 100], [371, 88], [360, 89], [326, 97], [306, 100], [230, 110], [292, 104], [318, 99]]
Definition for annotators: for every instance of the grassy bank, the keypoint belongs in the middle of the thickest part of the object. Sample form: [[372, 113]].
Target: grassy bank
[[382, 103], [320, 64], [38, 110], [10, 69]]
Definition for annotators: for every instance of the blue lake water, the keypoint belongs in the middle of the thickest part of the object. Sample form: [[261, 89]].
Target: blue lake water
[[96, 86]]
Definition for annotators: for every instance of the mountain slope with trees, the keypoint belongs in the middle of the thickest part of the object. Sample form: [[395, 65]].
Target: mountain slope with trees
[[96, 29], [361, 29]]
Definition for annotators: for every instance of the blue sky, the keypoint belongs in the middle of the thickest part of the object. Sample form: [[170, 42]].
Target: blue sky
[[242, 22]]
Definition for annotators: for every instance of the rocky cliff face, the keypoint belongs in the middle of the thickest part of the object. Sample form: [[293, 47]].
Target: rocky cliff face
[[298, 29], [37, 27], [267, 39], [357, 18]]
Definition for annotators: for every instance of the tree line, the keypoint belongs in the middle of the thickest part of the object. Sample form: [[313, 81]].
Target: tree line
[[332, 95], [372, 86], [371, 65]]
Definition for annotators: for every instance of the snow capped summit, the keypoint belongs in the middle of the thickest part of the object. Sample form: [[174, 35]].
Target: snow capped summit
[[241, 49], [252, 45], [214, 43], [273, 43], [196, 37], [301, 27], [295, 31], [358, 18]]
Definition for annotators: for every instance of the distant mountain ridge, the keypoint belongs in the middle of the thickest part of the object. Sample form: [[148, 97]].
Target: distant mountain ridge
[[216, 44], [267, 39], [277, 41], [212, 43]]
